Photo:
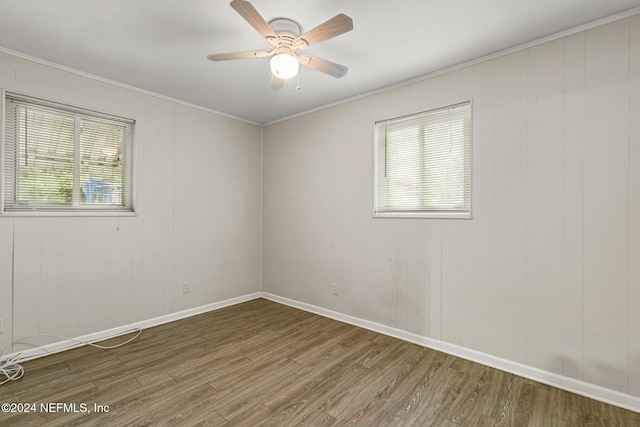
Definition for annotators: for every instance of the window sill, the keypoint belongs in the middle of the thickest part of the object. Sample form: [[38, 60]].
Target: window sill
[[424, 215], [66, 214]]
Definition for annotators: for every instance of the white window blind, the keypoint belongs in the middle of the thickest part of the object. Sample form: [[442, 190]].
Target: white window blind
[[423, 164], [58, 158]]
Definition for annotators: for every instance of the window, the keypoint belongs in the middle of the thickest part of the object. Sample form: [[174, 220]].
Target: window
[[58, 158], [423, 164]]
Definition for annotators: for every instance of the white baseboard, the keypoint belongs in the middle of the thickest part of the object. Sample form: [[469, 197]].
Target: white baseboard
[[582, 388], [48, 349]]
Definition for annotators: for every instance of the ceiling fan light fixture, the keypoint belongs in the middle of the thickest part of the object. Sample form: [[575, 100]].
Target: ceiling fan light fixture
[[284, 65]]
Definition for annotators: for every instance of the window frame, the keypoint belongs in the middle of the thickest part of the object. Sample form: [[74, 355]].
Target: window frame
[[70, 210], [424, 213]]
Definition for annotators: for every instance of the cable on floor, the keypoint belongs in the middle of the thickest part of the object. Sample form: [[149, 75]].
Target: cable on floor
[[12, 369]]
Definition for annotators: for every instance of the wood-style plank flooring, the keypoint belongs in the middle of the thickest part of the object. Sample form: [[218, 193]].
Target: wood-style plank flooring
[[262, 363]]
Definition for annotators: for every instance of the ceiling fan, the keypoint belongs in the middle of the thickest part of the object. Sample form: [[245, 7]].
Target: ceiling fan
[[284, 38]]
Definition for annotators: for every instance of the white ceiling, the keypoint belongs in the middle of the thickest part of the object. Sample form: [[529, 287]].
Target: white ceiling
[[161, 45]]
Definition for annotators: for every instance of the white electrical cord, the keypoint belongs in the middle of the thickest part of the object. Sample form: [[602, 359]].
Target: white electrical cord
[[12, 369]]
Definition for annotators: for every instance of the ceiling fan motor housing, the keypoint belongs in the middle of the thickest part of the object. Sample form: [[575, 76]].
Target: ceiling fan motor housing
[[285, 28]]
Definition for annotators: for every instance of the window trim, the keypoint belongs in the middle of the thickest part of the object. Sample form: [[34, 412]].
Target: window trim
[[70, 210], [426, 214]]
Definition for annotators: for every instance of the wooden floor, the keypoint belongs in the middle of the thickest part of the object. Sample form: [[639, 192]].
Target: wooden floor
[[262, 363]]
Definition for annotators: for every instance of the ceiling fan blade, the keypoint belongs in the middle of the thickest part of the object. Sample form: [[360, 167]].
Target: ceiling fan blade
[[253, 17], [327, 67], [276, 83], [335, 26], [237, 55]]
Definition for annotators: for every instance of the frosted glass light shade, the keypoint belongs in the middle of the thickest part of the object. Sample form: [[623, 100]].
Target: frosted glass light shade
[[284, 66]]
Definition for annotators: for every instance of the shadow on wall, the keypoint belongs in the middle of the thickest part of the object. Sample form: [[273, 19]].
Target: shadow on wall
[[634, 388], [601, 374]]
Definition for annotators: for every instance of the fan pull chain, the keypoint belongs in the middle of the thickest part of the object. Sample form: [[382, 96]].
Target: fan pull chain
[[298, 88]]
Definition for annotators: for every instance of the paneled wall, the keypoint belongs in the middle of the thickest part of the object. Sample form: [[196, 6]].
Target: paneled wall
[[547, 273], [198, 198]]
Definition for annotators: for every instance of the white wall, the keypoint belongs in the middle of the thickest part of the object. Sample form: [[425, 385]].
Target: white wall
[[198, 185], [548, 271]]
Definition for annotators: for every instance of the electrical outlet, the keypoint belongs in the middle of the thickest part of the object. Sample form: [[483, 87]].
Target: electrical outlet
[[335, 289], [186, 287]]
